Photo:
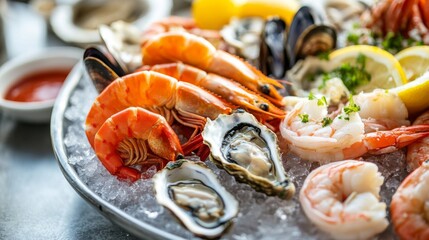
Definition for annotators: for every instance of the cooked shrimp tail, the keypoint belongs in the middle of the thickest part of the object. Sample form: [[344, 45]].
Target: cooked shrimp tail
[[387, 141]]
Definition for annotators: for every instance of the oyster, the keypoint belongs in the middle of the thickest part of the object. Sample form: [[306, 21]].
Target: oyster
[[243, 36], [193, 193], [248, 150]]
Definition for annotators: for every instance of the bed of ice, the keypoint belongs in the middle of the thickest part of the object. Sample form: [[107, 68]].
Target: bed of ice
[[260, 216]]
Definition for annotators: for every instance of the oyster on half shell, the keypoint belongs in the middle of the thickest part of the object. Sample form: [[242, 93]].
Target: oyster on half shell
[[193, 193], [248, 150]]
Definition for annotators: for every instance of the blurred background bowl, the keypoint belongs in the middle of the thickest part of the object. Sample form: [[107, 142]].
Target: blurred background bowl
[[78, 23], [45, 60]]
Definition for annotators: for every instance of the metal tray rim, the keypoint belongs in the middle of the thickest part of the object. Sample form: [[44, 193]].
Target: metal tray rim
[[134, 226]]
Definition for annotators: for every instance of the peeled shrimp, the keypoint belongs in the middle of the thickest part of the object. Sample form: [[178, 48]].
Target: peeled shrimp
[[418, 152], [410, 205], [342, 199], [304, 130], [381, 110]]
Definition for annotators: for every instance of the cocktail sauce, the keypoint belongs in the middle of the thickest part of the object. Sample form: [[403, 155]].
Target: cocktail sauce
[[36, 87]]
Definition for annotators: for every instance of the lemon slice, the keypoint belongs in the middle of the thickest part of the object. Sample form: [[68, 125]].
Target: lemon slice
[[214, 14], [385, 70], [414, 61], [415, 94]]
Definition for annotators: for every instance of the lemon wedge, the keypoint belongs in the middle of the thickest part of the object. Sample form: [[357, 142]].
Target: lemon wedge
[[285, 9], [415, 94], [210, 14], [214, 14], [385, 70], [414, 61]]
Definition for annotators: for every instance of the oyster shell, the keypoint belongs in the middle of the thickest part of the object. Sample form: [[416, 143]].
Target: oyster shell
[[193, 193], [248, 150]]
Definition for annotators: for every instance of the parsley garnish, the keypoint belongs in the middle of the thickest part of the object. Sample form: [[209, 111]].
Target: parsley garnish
[[322, 101], [353, 38], [352, 76], [323, 56], [351, 107], [304, 117], [311, 96], [392, 42], [326, 121]]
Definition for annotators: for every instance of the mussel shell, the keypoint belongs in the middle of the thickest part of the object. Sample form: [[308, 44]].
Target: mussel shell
[[315, 39], [309, 28], [273, 57], [122, 40], [101, 67]]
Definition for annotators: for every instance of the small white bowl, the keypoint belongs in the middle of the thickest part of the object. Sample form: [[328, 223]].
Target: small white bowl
[[39, 61]]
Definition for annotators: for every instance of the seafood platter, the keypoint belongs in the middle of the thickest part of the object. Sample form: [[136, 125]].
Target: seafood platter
[[274, 120]]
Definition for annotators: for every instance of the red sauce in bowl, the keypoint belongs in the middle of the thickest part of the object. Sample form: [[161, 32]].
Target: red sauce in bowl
[[36, 87]]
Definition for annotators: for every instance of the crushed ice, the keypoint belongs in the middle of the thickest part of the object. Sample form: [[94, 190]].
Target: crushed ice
[[260, 217]]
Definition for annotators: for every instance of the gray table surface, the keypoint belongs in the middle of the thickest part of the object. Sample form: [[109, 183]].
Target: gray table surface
[[36, 201]]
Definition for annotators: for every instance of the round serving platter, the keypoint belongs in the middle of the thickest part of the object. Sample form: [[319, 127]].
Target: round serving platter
[[59, 125], [260, 216]]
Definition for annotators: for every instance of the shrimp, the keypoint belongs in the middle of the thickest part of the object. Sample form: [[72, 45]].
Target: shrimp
[[381, 110], [187, 104], [418, 152], [196, 51], [121, 142], [410, 205], [176, 23], [342, 199], [313, 135], [230, 91]]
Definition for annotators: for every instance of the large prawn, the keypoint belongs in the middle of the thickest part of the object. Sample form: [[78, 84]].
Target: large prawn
[[135, 136], [314, 135], [418, 152], [159, 93], [177, 24], [342, 199], [198, 52], [229, 90], [410, 205]]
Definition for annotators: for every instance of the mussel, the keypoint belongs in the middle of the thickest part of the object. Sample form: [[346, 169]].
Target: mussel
[[273, 58], [308, 35], [101, 67], [122, 40]]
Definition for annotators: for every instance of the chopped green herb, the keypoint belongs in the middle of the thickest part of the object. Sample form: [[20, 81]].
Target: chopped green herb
[[353, 38], [304, 117], [323, 56], [351, 107], [326, 121], [311, 96], [356, 25], [322, 101], [392, 42], [352, 76]]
